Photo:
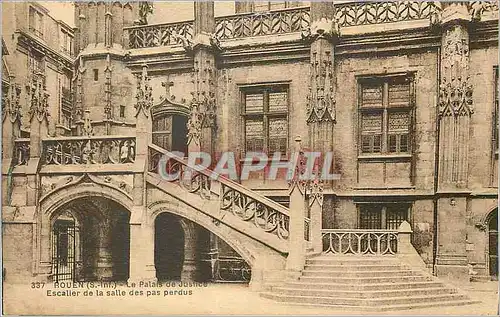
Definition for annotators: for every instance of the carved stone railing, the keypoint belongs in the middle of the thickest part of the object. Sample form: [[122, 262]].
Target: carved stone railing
[[281, 21], [88, 150], [159, 34], [21, 152], [363, 13], [231, 269], [262, 23], [243, 203], [360, 241]]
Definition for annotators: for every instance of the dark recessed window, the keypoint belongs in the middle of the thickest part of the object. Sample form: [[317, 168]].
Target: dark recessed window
[[96, 74], [122, 111]]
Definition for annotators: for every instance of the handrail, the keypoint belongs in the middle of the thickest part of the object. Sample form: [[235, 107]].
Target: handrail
[[224, 180], [360, 241], [133, 27], [235, 15], [233, 198]]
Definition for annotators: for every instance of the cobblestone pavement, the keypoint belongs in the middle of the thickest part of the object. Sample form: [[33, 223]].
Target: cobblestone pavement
[[213, 299]]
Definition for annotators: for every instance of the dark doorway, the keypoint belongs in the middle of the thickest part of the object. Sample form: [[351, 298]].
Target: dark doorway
[[120, 245], [179, 134], [170, 132], [493, 244], [169, 247]]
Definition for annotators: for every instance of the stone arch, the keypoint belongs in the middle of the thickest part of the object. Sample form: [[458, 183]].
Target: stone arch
[[180, 210], [51, 204], [485, 219]]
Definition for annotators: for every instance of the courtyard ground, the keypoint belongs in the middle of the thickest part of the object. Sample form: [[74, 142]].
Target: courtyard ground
[[213, 299]]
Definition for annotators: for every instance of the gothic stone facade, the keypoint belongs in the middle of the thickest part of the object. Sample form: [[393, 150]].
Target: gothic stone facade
[[403, 93]]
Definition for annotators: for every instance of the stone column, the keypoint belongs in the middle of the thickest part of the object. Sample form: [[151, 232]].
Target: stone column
[[202, 123], [105, 261], [455, 111], [189, 269], [298, 204], [315, 200], [142, 266]]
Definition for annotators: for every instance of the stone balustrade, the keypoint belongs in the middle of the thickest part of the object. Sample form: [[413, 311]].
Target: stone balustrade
[[360, 241], [282, 21], [262, 23], [156, 35], [364, 12], [88, 150], [240, 201]]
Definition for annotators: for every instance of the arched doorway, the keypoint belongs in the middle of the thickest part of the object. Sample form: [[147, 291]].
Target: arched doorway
[[90, 240], [169, 247], [170, 132], [493, 244]]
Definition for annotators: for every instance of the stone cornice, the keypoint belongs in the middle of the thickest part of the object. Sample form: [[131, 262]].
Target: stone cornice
[[28, 41]]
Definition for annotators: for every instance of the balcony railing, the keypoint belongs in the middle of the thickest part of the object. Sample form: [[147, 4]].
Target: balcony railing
[[262, 23], [88, 150], [281, 21], [363, 13], [159, 34], [360, 241], [240, 201]]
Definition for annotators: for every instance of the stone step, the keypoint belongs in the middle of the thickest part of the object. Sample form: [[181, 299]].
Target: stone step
[[353, 308], [308, 272], [367, 267], [372, 302], [363, 287], [354, 260], [361, 294], [363, 280]]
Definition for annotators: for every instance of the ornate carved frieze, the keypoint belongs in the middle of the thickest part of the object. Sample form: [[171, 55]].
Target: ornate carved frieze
[[89, 150], [50, 184], [144, 94], [11, 93]]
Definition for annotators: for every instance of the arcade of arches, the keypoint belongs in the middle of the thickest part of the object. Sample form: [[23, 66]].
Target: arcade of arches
[[90, 239]]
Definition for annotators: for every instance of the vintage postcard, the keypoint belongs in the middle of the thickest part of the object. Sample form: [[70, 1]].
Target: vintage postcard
[[250, 157]]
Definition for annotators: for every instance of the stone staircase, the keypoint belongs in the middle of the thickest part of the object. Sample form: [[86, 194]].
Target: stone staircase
[[367, 283]]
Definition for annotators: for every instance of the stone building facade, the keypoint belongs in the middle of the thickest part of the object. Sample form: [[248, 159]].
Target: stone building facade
[[404, 94]]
